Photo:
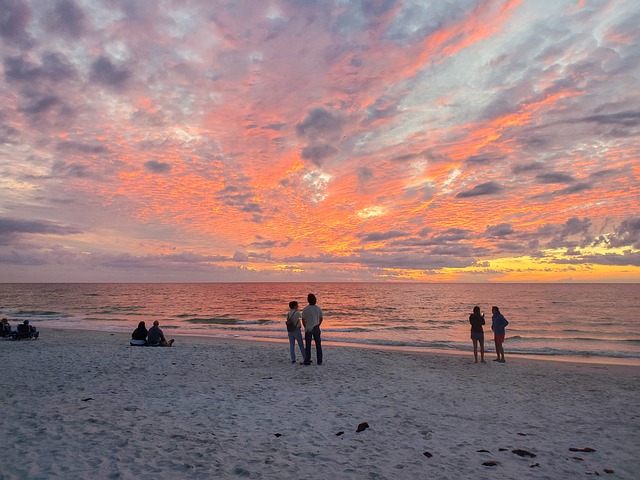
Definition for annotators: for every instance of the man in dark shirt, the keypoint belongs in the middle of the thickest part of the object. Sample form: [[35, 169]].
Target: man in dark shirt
[[155, 338]]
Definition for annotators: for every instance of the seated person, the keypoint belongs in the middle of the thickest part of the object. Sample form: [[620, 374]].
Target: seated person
[[156, 337], [6, 331], [27, 331], [139, 335]]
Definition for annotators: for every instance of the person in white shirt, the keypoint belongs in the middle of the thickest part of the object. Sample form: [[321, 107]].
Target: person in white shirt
[[312, 319]]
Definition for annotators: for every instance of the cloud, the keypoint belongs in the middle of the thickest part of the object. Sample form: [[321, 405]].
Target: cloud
[[527, 167], [382, 109], [66, 19], [382, 236], [446, 237], [320, 124], [577, 188], [574, 226], [488, 188], [410, 261], [240, 257], [46, 110], [14, 20], [104, 72], [572, 233], [40, 104], [555, 177], [244, 202], [155, 166], [10, 227], [613, 259], [317, 153], [62, 169], [80, 147], [364, 174], [53, 68], [627, 234], [501, 230], [264, 245], [629, 118], [479, 160], [8, 134]]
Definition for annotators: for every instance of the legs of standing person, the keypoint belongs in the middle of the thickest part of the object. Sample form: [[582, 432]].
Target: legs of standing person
[[499, 339], [307, 347], [316, 338], [481, 351], [298, 333], [292, 346], [475, 350]]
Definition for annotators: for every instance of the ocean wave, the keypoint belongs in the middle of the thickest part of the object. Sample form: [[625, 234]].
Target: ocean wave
[[556, 339], [212, 321], [38, 313], [225, 320], [105, 320]]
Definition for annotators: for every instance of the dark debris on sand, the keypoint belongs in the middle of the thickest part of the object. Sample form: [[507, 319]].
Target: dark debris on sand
[[523, 453], [362, 427]]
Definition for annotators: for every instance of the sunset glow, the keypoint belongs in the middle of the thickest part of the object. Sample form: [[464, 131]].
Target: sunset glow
[[379, 140]]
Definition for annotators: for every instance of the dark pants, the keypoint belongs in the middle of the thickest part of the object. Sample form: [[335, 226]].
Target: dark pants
[[315, 334]]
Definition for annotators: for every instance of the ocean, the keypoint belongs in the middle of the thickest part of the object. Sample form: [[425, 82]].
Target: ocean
[[561, 321]]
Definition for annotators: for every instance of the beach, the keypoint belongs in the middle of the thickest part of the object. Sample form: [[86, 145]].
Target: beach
[[85, 404]]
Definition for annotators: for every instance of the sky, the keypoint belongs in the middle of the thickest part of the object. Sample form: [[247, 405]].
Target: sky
[[319, 140]]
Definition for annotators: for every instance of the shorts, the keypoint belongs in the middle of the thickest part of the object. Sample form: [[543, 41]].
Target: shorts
[[477, 336], [499, 338]]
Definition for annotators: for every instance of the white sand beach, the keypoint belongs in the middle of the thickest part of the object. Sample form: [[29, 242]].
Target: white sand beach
[[80, 404]]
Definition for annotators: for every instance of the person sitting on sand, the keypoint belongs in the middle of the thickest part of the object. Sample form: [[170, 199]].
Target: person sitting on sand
[[477, 333], [155, 337], [139, 335], [498, 325], [27, 331], [6, 328], [294, 331]]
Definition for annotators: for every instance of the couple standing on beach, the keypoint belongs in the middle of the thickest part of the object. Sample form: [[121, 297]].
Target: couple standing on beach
[[311, 319], [498, 325]]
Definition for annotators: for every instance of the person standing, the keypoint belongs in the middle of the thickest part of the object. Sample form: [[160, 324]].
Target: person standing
[[477, 333], [294, 331], [312, 319], [498, 325]]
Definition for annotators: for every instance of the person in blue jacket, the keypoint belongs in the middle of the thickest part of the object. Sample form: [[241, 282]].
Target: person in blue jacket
[[498, 325]]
